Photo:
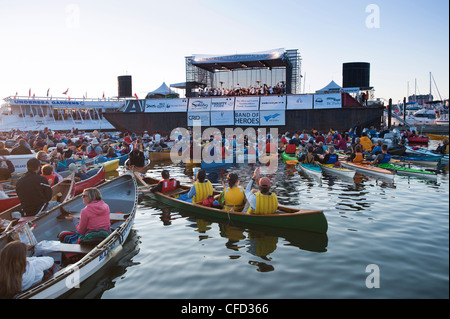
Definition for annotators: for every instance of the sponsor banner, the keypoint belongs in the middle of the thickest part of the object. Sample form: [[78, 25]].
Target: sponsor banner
[[222, 104], [204, 117], [200, 105], [134, 106], [273, 118], [327, 101], [176, 105], [300, 102], [155, 105], [272, 102], [246, 118], [246, 103], [221, 118]]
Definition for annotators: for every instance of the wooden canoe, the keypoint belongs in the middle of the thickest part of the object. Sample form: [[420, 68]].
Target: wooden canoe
[[159, 156], [121, 196], [437, 137], [285, 217], [61, 192]]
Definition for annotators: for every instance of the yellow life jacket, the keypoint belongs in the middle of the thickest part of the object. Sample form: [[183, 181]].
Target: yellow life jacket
[[265, 204], [202, 191], [358, 158], [446, 150], [234, 198], [309, 159]]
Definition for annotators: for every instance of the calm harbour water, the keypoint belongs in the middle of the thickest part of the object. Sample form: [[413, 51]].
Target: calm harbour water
[[402, 228]]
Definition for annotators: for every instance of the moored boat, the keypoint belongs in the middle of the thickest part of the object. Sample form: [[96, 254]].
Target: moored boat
[[368, 169], [408, 171], [61, 192], [437, 137], [121, 196], [311, 169], [285, 217], [338, 171]]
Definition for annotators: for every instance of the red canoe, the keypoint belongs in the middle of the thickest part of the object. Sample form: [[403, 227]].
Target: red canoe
[[93, 181]]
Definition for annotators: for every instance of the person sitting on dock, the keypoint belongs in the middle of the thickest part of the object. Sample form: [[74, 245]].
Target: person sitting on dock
[[384, 157], [233, 195], [201, 189], [261, 202], [167, 184]]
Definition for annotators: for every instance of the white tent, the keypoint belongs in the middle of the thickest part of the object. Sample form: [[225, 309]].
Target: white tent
[[331, 87], [163, 90]]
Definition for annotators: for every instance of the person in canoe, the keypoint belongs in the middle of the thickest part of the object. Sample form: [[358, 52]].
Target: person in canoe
[[357, 155], [384, 157], [308, 157], [167, 184], [19, 272], [442, 149], [261, 202], [201, 189], [6, 168], [290, 147], [93, 225], [329, 157], [34, 190], [233, 195]]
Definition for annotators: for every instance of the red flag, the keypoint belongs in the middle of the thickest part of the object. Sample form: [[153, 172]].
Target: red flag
[[103, 95], [66, 91], [136, 96], [29, 92]]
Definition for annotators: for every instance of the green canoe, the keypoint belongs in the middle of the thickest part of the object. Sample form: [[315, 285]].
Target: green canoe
[[285, 217], [408, 171], [288, 157]]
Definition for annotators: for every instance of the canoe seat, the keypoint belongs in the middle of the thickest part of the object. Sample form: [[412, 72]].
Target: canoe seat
[[176, 192], [50, 246]]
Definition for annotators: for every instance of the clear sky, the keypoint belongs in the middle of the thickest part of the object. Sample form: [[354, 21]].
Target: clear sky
[[84, 46]]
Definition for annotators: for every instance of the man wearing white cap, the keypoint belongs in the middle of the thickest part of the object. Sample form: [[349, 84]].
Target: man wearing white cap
[[94, 148]]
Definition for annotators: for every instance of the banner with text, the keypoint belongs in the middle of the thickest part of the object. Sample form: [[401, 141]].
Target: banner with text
[[246, 103], [176, 105], [272, 102], [204, 117], [222, 118], [300, 102], [272, 118], [155, 105], [222, 104], [200, 104], [327, 101], [246, 118]]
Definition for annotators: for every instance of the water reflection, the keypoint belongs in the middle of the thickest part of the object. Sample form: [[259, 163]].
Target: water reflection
[[104, 279]]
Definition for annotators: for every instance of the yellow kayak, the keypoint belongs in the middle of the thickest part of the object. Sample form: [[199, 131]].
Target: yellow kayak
[[437, 137]]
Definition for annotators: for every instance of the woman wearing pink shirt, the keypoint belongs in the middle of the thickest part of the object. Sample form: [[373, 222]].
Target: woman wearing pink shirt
[[94, 222]]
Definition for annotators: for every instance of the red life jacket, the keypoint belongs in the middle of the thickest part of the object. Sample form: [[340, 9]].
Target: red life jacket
[[290, 149], [92, 154], [51, 179], [168, 185]]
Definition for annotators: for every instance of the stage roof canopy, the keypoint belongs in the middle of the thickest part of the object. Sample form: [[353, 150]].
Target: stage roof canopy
[[266, 59]]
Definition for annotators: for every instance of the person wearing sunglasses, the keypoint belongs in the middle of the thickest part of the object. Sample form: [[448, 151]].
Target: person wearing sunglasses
[[94, 222]]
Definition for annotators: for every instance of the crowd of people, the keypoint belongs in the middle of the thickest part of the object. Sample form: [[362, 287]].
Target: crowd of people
[[264, 89]]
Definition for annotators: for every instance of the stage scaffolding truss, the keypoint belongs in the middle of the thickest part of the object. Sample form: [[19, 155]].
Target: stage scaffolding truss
[[271, 68]]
